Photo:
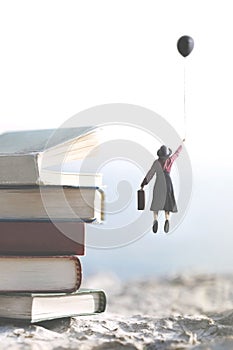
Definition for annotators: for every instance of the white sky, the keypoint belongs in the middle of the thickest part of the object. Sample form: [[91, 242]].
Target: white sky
[[58, 58], [61, 57]]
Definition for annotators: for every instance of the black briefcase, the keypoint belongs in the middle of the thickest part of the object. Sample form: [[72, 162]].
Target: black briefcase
[[141, 199]]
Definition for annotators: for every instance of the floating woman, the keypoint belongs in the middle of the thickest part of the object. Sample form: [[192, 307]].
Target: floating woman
[[163, 193]]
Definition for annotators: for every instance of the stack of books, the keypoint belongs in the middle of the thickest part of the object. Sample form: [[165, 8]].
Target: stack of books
[[43, 214]]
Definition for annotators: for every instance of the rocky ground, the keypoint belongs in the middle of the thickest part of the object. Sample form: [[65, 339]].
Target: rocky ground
[[184, 312]]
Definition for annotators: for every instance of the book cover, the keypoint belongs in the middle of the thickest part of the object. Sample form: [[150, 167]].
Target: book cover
[[42, 238]]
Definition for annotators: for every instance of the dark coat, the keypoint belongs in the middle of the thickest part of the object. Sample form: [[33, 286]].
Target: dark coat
[[163, 193]]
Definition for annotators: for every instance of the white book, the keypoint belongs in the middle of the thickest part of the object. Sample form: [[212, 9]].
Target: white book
[[27, 202], [51, 177], [25, 155], [42, 274], [40, 307]]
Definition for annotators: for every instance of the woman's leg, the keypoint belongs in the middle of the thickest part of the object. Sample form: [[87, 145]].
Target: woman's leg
[[166, 225], [155, 224]]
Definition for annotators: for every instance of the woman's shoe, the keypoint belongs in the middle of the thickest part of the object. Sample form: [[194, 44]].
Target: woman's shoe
[[155, 226], [166, 226]]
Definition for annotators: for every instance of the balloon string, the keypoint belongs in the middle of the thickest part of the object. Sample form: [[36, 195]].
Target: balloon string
[[185, 117]]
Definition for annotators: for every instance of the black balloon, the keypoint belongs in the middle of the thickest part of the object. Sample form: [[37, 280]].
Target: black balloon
[[185, 45]]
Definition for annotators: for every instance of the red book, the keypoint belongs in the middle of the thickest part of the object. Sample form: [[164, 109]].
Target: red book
[[42, 238], [40, 274]]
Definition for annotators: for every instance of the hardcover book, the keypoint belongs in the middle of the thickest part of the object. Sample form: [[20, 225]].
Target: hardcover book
[[40, 307], [40, 274], [42, 238], [52, 177], [24, 154], [51, 202]]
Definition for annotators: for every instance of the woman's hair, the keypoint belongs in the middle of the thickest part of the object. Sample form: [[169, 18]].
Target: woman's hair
[[164, 152]]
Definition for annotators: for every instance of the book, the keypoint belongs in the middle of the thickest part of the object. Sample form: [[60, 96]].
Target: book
[[24, 155], [42, 238], [61, 178], [40, 274], [51, 203], [41, 307]]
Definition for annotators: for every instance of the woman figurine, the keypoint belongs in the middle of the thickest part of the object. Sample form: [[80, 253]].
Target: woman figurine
[[163, 194]]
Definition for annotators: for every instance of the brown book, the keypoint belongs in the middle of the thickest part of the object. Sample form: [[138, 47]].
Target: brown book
[[42, 238], [40, 274]]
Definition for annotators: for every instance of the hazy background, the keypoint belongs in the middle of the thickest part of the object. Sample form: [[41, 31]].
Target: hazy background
[[61, 57]]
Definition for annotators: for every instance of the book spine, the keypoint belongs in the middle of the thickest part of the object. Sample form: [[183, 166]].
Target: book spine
[[102, 302], [78, 273], [17, 169]]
